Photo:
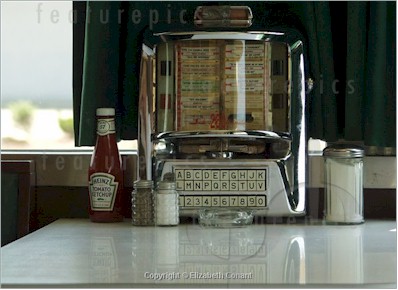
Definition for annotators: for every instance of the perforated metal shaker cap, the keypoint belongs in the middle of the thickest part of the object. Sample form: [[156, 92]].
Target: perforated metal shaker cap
[[343, 151], [143, 184]]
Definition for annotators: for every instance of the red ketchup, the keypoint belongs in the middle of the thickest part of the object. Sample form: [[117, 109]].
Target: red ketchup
[[105, 175]]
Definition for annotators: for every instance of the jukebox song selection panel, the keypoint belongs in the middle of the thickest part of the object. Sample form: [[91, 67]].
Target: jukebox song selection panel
[[221, 187], [229, 74]]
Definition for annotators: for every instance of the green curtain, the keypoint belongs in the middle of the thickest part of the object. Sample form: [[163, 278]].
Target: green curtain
[[380, 100], [110, 71], [370, 65], [107, 46], [350, 56]]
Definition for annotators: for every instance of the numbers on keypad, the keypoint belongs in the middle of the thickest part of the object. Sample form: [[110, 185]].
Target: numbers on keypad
[[215, 201], [181, 200], [251, 201], [188, 201], [223, 201], [198, 201], [206, 201], [243, 201], [260, 200], [233, 201]]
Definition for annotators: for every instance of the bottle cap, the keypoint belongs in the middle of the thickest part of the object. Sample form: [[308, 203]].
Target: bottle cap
[[105, 112]]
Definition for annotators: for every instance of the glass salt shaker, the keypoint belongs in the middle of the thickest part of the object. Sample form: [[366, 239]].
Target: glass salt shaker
[[143, 203], [167, 209], [343, 184]]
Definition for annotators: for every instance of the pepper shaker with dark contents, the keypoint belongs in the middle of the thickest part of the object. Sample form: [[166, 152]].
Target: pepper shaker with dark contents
[[143, 203]]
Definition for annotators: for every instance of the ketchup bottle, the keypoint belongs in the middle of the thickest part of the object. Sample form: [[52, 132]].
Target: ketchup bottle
[[105, 174]]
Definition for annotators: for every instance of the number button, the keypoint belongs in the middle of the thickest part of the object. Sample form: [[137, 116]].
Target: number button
[[181, 201], [233, 201], [243, 201], [197, 201], [189, 201], [224, 200], [206, 201], [260, 200], [251, 200], [215, 201]]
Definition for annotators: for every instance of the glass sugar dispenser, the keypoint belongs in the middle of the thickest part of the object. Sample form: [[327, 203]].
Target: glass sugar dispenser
[[343, 184], [167, 208]]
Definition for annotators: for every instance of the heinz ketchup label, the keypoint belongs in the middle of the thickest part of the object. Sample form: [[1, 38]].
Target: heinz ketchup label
[[103, 189]]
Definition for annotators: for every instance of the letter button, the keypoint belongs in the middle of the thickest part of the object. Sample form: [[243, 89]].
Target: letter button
[[224, 174], [206, 174], [215, 175], [242, 174], [180, 185], [207, 185], [188, 174], [179, 174], [251, 174], [197, 174], [233, 174], [260, 185], [216, 185], [261, 174], [234, 185]]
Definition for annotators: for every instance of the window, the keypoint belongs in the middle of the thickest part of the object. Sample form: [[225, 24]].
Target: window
[[36, 75]]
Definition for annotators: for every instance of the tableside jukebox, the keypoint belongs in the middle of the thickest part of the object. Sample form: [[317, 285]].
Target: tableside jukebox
[[222, 113]]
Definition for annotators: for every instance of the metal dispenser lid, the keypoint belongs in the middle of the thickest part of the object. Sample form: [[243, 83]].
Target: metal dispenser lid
[[343, 151], [166, 185]]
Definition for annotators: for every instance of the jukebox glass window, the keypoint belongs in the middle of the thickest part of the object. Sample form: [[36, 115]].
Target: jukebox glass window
[[222, 84]]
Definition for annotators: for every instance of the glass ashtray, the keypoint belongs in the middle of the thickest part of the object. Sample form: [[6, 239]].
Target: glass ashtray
[[225, 218]]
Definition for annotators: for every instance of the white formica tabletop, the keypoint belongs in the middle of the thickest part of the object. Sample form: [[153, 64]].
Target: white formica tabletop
[[78, 253]]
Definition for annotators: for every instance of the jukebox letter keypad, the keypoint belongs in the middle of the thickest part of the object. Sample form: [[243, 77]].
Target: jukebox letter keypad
[[222, 187]]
